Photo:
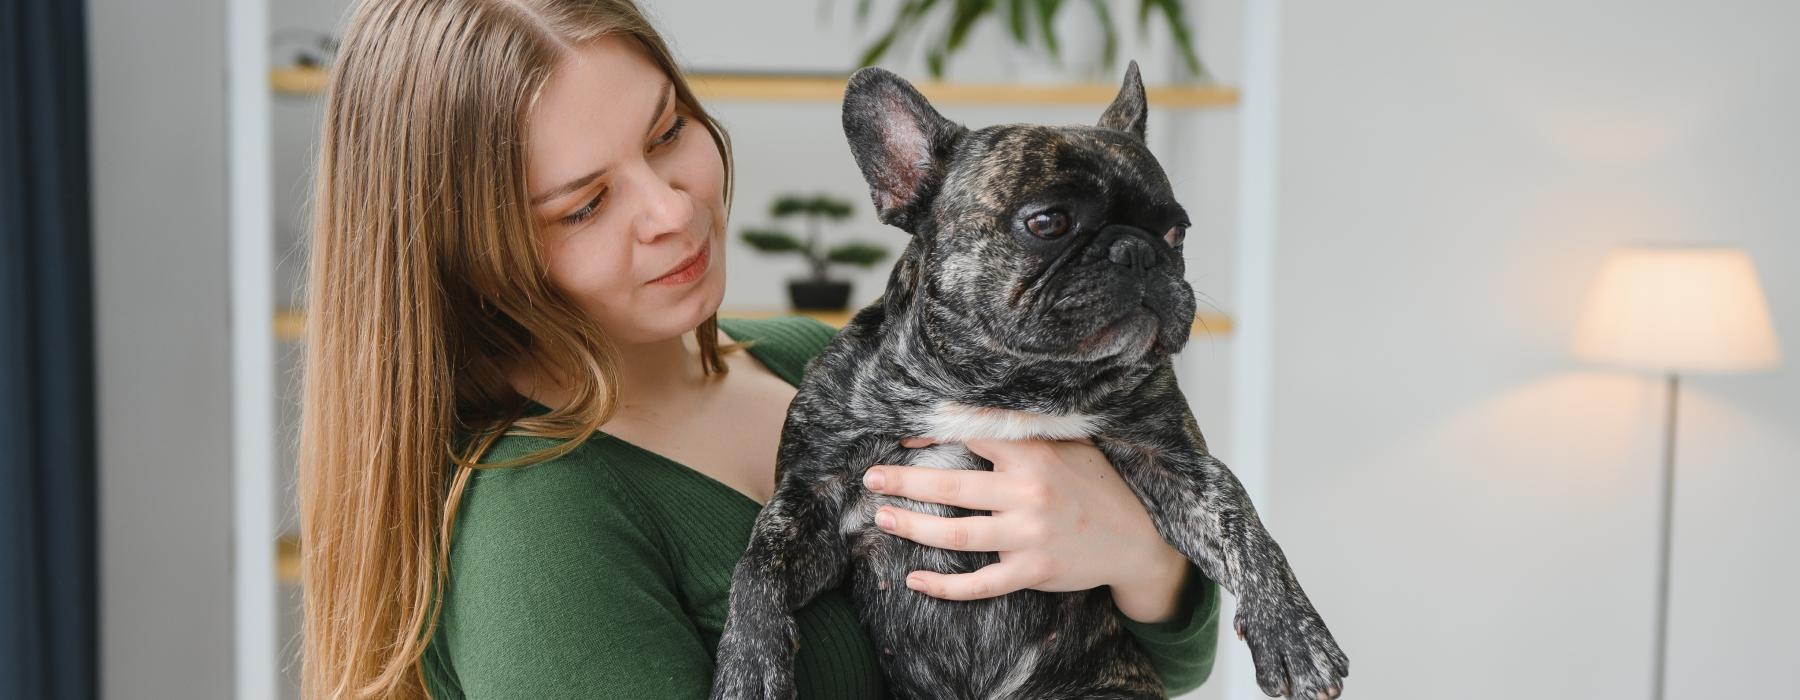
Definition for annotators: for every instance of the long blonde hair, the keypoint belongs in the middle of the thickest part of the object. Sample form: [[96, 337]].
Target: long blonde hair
[[424, 280]]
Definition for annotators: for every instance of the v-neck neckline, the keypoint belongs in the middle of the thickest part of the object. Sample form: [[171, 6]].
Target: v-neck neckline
[[756, 352]]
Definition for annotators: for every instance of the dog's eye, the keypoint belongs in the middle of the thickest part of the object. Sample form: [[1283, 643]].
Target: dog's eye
[[1047, 224], [1176, 234]]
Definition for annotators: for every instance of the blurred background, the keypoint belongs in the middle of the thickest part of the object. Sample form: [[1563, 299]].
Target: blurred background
[[1455, 260]]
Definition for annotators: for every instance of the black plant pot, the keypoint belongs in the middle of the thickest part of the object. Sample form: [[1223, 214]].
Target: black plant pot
[[819, 295]]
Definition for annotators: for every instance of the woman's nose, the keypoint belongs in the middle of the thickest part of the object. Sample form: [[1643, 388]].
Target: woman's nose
[[663, 207]]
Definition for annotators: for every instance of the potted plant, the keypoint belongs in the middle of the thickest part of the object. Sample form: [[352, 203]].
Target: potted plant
[[817, 292]]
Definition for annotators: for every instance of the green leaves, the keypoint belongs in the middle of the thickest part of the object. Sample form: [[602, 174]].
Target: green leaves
[[1020, 15], [771, 240], [1173, 12], [1046, 18], [905, 19], [820, 205], [857, 254]]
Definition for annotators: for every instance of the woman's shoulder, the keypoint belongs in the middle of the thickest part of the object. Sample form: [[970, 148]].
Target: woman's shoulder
[[575, 494]]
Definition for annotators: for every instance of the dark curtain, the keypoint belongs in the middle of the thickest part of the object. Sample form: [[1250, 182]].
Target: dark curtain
[[48, 588]]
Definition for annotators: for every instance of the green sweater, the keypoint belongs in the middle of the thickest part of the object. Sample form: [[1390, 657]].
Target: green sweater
[[605, 574]]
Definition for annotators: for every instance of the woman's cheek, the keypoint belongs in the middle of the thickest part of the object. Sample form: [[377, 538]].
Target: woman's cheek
[[700, 169], [585, 264]]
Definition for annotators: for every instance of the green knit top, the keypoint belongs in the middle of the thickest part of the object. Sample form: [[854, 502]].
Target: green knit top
[[605, 573]]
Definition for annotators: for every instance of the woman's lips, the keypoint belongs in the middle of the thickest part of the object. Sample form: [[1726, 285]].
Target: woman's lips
[[690, 270]]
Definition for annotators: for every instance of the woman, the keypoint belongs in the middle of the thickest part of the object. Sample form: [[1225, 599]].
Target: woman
[[519, 477]]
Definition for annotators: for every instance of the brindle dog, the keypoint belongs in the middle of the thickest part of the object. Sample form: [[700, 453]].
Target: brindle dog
[[1041, 295]]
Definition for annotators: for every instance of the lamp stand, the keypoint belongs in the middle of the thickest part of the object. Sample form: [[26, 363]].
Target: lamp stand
[[1657, 667]]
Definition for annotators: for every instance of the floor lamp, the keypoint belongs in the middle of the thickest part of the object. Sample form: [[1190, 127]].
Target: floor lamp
[[1676, 310]]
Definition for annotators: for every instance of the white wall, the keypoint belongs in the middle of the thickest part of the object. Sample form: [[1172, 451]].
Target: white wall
[[1473, 511], [156, 84]]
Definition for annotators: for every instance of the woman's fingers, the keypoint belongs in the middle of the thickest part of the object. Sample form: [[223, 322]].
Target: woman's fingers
[[975, 533], [967, 488], [1014, 454], [999, 578]]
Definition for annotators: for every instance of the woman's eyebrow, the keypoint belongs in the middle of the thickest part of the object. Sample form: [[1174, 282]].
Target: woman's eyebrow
[[580, 182], [662, 104]]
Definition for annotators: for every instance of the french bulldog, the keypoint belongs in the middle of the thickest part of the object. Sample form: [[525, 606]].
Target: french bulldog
[[1041, 295]]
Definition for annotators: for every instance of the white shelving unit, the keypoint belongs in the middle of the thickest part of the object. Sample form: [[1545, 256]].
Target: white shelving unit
[[255, 611], [268, 105]]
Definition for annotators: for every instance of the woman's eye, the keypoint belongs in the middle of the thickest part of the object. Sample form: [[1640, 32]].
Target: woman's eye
[[583, 213], [672, 133], [1047, 224]]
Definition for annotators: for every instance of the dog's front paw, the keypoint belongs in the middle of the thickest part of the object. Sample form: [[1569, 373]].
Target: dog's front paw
[[755, 665], [1295, 655]]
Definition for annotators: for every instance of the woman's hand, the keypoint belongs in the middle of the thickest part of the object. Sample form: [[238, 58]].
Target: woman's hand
[[1062, 520]]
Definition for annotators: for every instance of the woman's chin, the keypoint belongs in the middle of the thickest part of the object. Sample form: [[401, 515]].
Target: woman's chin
[[703, 300]]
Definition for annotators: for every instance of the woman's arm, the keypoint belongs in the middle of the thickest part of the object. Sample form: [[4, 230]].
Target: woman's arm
[[1183, 648], [557, 590]]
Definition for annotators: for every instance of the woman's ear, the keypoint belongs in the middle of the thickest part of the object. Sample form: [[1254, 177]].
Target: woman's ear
[[900, 142], [1126, 113]]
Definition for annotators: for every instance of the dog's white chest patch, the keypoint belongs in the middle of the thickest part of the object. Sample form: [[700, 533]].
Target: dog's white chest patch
[[957, 422]]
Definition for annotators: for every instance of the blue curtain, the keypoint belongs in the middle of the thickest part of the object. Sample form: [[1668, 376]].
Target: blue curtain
[[48, 588]]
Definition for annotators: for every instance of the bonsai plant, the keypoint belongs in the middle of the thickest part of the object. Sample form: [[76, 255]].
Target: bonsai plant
[[1020, 16], [817, 292]]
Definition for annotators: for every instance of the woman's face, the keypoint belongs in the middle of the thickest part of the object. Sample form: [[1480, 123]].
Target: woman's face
[[626, 187]]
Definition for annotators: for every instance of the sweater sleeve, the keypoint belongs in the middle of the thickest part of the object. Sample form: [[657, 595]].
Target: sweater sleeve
[[557, 589], [1183, 647]]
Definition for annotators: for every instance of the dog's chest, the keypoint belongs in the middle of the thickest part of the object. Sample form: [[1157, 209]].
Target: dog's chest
[[950, 421]]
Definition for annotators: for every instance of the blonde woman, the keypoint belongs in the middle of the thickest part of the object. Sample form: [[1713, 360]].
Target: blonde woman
[[531, 452]]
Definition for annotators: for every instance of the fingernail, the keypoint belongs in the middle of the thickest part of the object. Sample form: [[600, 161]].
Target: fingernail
[[914, 583], [873, 479], [884, 519]]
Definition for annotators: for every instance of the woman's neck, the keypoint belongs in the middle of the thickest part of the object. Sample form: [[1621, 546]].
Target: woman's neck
[[648, 373]]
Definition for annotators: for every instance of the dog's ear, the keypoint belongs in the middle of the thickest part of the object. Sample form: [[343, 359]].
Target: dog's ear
[[1127, 110], [899, 141]]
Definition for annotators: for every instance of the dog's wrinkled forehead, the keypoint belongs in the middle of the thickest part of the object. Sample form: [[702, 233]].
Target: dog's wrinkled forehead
[[1000, 167]]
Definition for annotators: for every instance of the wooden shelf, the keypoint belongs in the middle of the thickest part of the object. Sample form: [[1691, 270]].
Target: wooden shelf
[[830, 88], [290, 325], [1204, 323], [297, 81], [773, 87], [287, 560]]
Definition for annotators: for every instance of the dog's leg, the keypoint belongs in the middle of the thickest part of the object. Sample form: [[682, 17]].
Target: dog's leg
[[795, 551], [1204, 513]]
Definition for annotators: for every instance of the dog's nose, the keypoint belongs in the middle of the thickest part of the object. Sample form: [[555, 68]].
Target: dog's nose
[[1131, 247]]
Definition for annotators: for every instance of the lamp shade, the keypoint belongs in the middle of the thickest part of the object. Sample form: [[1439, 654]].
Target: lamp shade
[[1678, 308]]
